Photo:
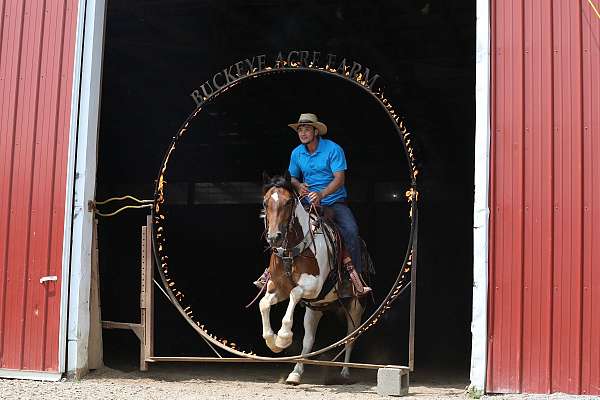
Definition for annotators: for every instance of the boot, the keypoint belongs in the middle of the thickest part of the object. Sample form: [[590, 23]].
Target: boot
[[359, 287], [262, 280]]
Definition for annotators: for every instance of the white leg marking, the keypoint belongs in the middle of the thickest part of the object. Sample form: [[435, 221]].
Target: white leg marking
[[311, 321], [285, 334], [265, 310]]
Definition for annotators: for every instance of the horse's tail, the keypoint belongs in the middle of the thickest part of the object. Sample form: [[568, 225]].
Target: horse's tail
[[367, 261]]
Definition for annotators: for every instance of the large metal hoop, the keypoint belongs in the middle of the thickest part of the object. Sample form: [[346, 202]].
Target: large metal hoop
[[158, 217]]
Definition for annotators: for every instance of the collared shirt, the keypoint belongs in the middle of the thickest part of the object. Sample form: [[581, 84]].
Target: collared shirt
[[317, 169]]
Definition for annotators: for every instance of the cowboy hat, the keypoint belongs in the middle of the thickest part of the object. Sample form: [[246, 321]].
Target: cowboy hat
[[310, 119]]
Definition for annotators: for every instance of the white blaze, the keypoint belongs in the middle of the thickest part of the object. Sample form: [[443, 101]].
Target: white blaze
[[275, 196]]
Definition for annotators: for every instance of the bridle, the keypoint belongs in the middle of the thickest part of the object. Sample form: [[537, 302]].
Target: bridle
[[285, 253]]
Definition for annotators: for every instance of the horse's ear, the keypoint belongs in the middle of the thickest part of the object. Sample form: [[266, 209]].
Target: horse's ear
[[266, 178], [287, 176]]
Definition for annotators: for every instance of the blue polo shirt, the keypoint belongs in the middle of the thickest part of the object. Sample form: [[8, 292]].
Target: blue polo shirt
[[317, 169]]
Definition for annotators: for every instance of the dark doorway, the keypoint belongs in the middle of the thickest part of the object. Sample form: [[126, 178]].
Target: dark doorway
[[157, 52]]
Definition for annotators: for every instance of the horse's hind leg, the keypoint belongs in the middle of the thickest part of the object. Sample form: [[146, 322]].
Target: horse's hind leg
[[353, 319], [311, 321], [265, 310]]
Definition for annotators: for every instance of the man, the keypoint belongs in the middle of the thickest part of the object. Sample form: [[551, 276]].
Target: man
[[317, 167]]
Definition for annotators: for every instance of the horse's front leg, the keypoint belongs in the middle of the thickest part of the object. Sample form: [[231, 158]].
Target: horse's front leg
[[265, 311], [311, 321], [284, 336], [306, 285]]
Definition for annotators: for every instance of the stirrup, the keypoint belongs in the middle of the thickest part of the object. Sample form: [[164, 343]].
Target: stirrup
[[262, 280]]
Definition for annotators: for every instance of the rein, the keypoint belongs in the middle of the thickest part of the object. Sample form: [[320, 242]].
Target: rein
[[287, 254]]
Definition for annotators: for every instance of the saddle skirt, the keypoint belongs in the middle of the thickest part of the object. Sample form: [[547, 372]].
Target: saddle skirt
[[337, 285]]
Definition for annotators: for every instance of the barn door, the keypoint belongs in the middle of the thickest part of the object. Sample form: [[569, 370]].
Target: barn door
[[36, 65]]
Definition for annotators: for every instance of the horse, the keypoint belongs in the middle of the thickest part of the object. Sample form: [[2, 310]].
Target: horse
[[298, 268]]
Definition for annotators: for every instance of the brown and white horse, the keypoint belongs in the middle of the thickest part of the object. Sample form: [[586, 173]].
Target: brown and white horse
[[290, 234]]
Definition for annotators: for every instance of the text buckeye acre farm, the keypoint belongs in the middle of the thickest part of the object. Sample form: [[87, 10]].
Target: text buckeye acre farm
[[294, 59]]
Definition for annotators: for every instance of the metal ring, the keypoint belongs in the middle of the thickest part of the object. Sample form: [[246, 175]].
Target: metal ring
[[158, 231]]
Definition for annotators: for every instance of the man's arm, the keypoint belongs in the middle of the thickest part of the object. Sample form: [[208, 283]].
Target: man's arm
[[337, 182]]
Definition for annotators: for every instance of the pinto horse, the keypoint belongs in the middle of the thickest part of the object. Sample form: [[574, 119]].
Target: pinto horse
[[298, 268]]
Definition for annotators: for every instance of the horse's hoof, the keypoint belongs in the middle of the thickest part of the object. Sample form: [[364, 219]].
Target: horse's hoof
[[345, 374], [271, 344], [283, 341], [293, 378], [276, 349]]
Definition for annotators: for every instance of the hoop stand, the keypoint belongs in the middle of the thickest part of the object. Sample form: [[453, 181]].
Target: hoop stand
[[391, 379], [144, 330]]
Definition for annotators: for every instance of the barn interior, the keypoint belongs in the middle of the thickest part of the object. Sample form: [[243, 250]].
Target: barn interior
[[157, 52]]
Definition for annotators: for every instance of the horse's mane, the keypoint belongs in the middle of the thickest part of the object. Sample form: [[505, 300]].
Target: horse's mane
[[280, 182]]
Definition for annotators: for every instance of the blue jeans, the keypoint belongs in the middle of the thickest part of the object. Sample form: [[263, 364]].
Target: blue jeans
[[343, 218]]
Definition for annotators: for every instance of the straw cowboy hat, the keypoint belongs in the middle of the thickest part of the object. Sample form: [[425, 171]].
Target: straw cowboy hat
[[312, 120]]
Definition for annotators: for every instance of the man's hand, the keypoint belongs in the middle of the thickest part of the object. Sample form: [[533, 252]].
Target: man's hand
[[315, 198], [303, 189]]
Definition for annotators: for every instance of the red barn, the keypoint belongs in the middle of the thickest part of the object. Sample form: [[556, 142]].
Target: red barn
[[544, 279], [536, 297]]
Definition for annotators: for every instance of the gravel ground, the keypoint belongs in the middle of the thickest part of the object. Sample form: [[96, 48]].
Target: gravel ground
[[234, 382]]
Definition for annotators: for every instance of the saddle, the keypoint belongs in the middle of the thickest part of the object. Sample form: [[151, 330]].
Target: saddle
[[338, 279]]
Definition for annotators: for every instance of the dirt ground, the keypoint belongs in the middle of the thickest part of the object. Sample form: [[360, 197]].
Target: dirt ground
[[168, 381]]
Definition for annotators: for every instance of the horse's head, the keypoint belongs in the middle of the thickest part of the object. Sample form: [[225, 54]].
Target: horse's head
[[279, 202]]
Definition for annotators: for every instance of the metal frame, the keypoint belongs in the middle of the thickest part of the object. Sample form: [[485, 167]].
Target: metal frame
[[154, 241], [413, 296], [159, 235], [144, 330], [158, 216]]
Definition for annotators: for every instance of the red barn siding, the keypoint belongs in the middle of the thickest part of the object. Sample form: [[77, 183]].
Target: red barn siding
[[37, 40], [544, 310]]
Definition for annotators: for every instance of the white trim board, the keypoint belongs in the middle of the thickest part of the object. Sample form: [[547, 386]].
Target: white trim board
[[34, 375], [85, 186], [481, 210], [71, 152]]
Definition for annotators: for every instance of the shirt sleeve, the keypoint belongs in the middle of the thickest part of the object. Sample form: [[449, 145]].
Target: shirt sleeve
[[295, 166], [337, 160]]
